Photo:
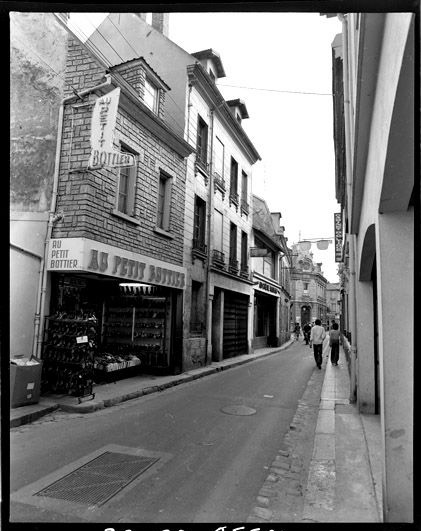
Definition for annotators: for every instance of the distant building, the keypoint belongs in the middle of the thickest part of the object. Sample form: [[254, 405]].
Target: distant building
[[309, 287], [270, 274], [333, 308]]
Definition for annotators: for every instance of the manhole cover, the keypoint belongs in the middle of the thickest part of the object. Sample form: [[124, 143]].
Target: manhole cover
[[100, 479], [238, 410]]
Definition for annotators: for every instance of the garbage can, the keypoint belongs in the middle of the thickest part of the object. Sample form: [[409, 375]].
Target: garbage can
[[25, 381]]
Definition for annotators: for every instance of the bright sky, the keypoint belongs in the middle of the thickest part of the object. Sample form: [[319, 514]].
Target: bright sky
[[293, 133]]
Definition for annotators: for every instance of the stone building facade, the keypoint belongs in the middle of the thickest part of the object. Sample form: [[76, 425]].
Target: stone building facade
[[217, 219], [116, 246], [309, 301]]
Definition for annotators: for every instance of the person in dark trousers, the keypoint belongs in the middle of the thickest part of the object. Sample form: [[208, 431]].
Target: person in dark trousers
[[317, 337], [334, 337], [307, 330], [297, 330]]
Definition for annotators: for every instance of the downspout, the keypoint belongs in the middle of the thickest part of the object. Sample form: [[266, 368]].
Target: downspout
[[351, 237], [53, 217], [209, 232]]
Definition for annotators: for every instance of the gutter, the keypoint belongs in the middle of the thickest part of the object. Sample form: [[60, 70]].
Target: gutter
[[53, 217]]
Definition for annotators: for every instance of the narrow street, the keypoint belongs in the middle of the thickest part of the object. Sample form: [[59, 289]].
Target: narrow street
[[211, 464]]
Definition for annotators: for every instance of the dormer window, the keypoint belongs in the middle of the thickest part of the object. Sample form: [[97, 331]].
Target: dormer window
[[151, 96]]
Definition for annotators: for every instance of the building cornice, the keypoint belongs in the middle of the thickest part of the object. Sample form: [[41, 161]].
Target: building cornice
[[197, 76]]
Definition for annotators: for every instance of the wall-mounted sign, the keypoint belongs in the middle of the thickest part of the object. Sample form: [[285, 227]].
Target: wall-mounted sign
[[264, 286], [83, 254], [258, 252], [338, 236], [104, 117]]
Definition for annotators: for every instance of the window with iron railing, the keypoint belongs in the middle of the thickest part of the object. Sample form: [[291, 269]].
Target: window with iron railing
[[234, 182], [218, 258]]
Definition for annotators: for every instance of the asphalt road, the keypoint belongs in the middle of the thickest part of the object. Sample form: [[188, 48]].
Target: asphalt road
[[211, 464]]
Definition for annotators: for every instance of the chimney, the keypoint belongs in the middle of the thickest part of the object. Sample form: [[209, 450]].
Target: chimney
[[160, 21]]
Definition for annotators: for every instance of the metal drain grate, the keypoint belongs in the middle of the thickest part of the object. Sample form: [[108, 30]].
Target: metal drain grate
[[97, 481]]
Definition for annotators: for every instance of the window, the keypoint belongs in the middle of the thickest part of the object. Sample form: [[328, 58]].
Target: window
[[238, 117], [234, 181], [244, 183], [164, 202], [150, 97], [233, 242], [199, 224], [305, 284], [212, 75], [197, 308], [269, 264], [244, 251], [126, 187], [217, 230], [219, 157], [202, 142]]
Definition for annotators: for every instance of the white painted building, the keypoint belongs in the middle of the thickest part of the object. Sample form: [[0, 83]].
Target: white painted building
[[373, 82]]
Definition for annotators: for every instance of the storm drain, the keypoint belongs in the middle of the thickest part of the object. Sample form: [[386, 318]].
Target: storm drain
[[97, 481]]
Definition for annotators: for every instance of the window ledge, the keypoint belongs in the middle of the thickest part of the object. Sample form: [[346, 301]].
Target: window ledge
[[163, 232], [119, 214]]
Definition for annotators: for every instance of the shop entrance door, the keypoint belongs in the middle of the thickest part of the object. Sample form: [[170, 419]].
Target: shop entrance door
[[235, 325]]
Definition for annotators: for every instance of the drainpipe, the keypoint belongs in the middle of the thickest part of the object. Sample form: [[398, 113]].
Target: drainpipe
[[209, 232], [53, 218], [349, 184]]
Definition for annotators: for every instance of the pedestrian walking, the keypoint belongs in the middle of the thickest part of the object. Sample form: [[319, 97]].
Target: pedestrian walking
[[334, 337], [317, 337], [306, 331], [297, 330]]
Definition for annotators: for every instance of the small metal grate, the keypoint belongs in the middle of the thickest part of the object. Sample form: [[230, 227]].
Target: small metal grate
[[100, 479]]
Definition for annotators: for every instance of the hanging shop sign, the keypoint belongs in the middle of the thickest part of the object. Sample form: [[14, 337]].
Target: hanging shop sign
[[104, 117], [258, 252], [338, 236], [84, 254]]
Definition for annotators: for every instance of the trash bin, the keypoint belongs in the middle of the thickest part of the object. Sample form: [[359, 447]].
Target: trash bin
[[25, 381]]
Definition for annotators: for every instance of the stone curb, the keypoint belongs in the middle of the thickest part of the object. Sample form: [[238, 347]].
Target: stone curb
[[95, 405], [31, 417]]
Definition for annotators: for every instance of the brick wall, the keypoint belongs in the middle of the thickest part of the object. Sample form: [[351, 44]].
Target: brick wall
[[87, 198]]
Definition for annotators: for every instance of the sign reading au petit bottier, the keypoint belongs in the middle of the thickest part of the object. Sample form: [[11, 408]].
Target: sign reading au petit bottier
[[338, 236], [83, 254], [104, 117]]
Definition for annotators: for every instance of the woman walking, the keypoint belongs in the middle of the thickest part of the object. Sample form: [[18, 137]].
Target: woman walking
[[334, 336]]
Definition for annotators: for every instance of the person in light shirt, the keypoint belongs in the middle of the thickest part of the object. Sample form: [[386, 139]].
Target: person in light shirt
[[317, 337]]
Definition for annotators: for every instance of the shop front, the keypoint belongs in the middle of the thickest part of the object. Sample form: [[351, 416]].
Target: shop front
[[266, 315], [113, 314]]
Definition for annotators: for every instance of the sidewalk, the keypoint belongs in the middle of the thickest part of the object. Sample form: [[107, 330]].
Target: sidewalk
[[344, 480], [107, 395]]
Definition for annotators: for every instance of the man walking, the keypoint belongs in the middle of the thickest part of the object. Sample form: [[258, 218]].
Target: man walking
[[317, 336]]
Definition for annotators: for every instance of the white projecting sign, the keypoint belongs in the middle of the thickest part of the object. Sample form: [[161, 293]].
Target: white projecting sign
[[104, 117]]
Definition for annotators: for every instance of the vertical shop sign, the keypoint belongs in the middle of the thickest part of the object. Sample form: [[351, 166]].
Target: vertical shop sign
[[104, 117], [338, 236]]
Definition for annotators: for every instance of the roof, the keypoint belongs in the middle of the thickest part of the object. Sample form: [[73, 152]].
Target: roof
[[157, 77], [211, 54], [241, 105], [262, 219]]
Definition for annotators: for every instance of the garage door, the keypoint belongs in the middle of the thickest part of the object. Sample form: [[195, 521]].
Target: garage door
[[235, 325]]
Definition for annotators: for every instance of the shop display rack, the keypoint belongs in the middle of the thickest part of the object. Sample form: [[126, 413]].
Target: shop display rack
[[69, 348], [134, 335]]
